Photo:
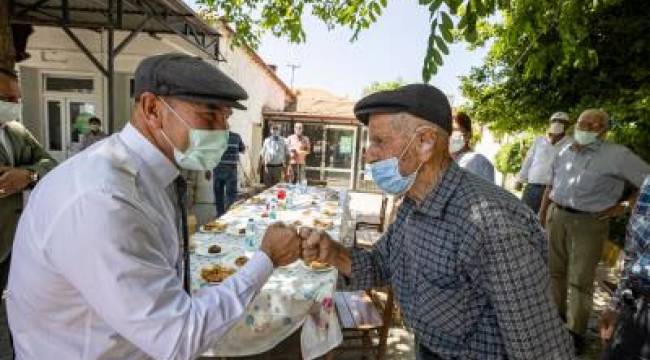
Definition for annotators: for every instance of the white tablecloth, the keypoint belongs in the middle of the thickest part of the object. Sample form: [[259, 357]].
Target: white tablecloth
[[294, 296]]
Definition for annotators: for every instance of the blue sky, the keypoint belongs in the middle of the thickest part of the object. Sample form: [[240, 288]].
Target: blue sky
[[392, 48]]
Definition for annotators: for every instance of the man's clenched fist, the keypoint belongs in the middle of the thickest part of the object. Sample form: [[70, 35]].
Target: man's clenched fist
[[282, 244], [318, 246]]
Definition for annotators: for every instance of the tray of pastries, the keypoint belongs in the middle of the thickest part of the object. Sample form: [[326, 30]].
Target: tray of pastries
[[216, 273], [215, 226]]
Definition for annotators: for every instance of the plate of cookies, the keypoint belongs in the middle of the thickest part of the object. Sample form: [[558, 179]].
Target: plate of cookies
[[213, 227], [241, 260], [216, 273], [323, 224], [215, 249], [318, 266]]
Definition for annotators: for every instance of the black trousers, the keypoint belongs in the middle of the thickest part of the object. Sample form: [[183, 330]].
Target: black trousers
[[4, 276], [631, 338], [4, 272]]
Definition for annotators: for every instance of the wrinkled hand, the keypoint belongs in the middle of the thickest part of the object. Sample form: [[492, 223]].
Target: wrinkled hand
[[318, 246], [607, 324], [542, 217], [615, 211], [13, 180], [282, 244]]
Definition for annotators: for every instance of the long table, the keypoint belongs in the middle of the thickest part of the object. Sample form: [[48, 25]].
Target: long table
[[295, 296]]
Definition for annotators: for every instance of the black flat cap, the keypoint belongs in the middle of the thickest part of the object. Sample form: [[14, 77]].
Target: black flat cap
[[422, 100], [187, 78]]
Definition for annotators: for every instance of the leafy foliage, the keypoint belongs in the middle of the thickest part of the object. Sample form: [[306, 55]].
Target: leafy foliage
[[450, 19], [377, 86], [550, 55], [510, 156]]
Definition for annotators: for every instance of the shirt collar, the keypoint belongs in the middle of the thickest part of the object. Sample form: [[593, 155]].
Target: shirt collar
[[162, 169], [435, 202]]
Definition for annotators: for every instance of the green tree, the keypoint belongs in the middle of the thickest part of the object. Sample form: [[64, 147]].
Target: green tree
[[582, 54], [377, 86], [511, 155], [449, 20]]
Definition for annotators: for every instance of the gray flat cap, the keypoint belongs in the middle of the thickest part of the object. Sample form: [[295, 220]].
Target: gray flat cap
[[422, 100], [187, 78]]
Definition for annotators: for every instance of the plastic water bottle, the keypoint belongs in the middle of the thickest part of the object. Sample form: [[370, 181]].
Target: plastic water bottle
[[251, 237], [273, 209], [303, 186]]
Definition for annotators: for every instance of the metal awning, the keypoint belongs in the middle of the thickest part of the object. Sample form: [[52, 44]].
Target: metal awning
[[148, 16], [137, 16]]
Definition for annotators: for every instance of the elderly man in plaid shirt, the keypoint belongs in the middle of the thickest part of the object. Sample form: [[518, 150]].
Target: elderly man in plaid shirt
[[467, 260]]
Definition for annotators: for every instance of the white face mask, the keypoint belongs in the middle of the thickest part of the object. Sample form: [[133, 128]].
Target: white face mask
[[205, 146], [9, 111], [585, 137], [556, 128], [456, 142]]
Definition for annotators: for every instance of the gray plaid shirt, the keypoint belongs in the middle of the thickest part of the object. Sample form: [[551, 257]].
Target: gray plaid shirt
[[469, 269]]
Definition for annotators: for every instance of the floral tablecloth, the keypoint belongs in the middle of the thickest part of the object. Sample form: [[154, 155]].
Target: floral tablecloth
[[294, 296]]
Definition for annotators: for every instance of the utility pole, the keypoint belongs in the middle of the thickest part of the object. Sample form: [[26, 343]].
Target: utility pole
[[293, 71]]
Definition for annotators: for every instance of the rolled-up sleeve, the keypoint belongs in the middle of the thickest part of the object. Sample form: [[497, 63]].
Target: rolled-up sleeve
[[525, 167], [632, 167], [122, 268]]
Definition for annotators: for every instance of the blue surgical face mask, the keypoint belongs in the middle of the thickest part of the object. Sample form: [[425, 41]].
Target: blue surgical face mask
[[386, 175], [456, 142]]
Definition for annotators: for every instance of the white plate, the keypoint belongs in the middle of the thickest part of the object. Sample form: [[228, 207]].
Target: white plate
[[309, 268], [225, 250], [203, 230]]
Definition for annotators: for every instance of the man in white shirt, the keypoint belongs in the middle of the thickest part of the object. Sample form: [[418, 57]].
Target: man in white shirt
[[274, 157], [97, 261], [536, 170]]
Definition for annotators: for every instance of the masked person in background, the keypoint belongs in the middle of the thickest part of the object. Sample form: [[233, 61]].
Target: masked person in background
[[225, 182], [111, 288], [299, 148], [461, 152], [23, 162], [536, 168], [587, 182], [95, 133], [465, 258], [274, 157]]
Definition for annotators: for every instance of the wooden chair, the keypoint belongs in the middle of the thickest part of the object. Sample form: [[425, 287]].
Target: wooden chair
[[366, 233], [365, 323], [314, 182]]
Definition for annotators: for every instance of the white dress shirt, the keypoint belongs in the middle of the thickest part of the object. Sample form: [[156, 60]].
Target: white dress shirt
[[536, 168], [94, 265]]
